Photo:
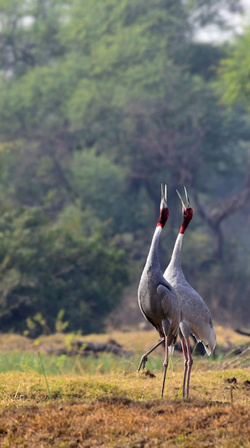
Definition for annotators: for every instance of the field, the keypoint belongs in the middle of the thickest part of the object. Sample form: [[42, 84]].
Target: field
[[53, 400]]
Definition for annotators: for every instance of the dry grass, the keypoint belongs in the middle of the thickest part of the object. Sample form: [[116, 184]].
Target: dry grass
[[135, 341], [121, 408], [124, 423], [124, 411]]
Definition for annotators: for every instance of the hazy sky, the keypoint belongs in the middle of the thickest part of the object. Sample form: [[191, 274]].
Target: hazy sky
[[212, 34]]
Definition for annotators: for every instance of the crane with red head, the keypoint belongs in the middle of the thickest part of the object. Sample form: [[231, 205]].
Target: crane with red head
[[157, 299], [196, 319]]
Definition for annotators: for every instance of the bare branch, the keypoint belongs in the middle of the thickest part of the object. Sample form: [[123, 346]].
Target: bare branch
[[228, 207]]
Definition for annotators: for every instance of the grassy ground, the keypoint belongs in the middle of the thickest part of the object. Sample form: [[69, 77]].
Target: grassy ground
[[56, 401]]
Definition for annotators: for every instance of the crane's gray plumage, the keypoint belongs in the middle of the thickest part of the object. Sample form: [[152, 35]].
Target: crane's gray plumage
[[195, 315], [157, 299]]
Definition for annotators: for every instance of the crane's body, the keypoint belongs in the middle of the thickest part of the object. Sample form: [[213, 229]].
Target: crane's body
[[194, 311], [195, 315], [157, 299]]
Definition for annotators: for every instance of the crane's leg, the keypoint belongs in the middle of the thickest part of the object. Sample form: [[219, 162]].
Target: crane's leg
[[189, 363], [144, 358], [184, 351], [165, 365]]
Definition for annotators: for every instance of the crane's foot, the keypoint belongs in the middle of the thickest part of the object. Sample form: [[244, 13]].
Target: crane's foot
[[143, 362]]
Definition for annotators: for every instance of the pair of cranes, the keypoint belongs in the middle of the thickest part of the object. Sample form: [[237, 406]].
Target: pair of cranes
[[169, 303]]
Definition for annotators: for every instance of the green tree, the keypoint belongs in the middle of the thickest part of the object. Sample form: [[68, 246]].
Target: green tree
[[234, 79], [66, 266], [100, 101]]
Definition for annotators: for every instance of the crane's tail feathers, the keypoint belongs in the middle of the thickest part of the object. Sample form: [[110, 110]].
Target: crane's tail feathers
[[171, 343], [171, 349], [208, 351]]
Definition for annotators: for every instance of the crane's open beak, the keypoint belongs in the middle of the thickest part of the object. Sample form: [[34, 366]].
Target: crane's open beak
[[164, 194], [187, 205]]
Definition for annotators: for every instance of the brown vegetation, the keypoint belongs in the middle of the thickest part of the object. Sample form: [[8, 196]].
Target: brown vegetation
[[126, 423], [122, 408], [131, 341]]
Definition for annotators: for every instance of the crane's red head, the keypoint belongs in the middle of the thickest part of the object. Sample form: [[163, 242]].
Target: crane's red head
[[187, 211], [164, 212]]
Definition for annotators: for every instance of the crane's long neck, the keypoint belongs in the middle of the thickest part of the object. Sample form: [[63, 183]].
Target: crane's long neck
[[176, 255], [152, 258], [174, 269]]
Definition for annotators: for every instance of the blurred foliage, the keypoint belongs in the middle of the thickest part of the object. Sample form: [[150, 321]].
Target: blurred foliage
[[234, 73], [49, 267], [100, 101]]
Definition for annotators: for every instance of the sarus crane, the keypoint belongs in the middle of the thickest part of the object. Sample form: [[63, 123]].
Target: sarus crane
[[196, 319], [157, 299]]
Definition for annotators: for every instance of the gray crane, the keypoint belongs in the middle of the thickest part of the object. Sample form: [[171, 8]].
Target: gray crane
[[157, 299], [195, 315]]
